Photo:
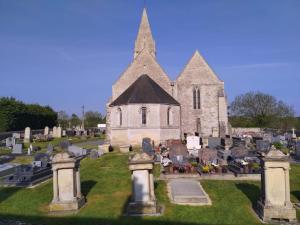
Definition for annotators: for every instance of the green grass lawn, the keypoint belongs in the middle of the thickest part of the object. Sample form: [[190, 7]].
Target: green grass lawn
[[106, 185]]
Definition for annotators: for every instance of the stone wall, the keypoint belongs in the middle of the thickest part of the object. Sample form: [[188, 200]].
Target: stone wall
[[213, 110], [132, 131], [238, 131], [144, 63]]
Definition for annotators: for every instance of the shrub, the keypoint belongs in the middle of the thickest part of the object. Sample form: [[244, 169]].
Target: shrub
[[278, 145]]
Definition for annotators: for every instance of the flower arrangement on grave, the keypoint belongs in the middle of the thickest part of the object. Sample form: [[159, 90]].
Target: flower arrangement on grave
[[206, 169]]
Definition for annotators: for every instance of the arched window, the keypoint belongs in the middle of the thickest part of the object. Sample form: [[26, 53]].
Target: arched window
[[144, 115], [194, 98], [198, 99], [169, 116], [120, 116]]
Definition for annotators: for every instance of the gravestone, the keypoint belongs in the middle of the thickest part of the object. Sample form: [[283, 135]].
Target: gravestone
[[46, 131], [193, 142], [7, 169], [214, 142], [226, 143], [17, 149], [193, 145], [188, 192], [215, 132], [205, 142], [224, 154], [41, 160], [9, 142], [66, 184], [16, 135], [54, 131], [262, 145], [64, 133], [28, 175], [50, 149], [274, 203], [64, 144], [268, 137], [143, 201], [58, 132], [27, 135], [94, 154], [147, 146], [77, 151]]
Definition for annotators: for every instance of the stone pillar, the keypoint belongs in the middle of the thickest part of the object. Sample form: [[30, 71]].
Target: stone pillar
[[143, 200], [55, 187], [66, 184], [287, 187], [275, 203], [152, 194], [78, 185], [27, 135]]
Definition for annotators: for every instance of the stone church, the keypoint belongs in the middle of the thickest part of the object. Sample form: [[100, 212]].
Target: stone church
[[145, 102]]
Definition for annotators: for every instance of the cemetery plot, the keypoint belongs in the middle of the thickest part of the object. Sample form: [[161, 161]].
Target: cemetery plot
[[187, 192]]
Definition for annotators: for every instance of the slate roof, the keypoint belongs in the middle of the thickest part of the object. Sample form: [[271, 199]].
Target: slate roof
[[144, 90]]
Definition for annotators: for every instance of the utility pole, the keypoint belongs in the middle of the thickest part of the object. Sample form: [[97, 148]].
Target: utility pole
[[82, 126]]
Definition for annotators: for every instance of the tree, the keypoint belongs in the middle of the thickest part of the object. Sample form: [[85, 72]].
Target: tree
[[63, 119], [16, 115], [261, 110], [92, 119], [74, 120]]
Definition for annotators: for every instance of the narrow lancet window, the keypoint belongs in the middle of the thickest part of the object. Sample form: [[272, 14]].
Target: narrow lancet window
[[120, 116], [168, 116], [198, 99], [194, 99], [144, 115]]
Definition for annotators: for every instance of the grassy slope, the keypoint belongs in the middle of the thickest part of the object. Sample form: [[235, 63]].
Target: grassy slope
[[106, 184]]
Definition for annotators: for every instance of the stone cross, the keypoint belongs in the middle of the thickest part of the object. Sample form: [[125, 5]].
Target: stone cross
[[143, 198], [274, 203], [294, 135], [27, 135], [66, 183]]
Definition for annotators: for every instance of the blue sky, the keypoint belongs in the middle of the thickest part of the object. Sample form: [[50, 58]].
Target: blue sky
[[69, 53]]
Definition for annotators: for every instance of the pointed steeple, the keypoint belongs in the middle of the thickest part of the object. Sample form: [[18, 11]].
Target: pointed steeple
[[144, 38]]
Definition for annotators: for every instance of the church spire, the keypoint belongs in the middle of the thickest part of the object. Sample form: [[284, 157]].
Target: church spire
[[144, 38]]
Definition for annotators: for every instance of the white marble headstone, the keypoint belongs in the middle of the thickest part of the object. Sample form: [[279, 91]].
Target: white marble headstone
[[193, 142], [46, 131], [27, 135]]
